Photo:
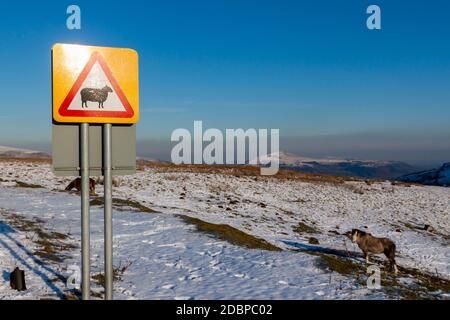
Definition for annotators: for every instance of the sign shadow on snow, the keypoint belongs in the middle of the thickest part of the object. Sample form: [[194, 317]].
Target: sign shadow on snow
[[5, 228], [318, 249]]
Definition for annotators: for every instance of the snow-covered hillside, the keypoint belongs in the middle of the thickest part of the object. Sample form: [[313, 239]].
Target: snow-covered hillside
[[20, 153], [304, 217], [164, 258], [381, 169], [435, 177]]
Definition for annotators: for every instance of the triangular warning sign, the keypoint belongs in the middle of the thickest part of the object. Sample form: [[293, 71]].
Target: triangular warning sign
[[96, 93]]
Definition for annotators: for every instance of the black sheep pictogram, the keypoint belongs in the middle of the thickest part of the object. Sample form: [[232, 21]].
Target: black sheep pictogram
[[94, 95]]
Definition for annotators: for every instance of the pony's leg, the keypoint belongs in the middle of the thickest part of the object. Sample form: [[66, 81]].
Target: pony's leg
[[390, 254]]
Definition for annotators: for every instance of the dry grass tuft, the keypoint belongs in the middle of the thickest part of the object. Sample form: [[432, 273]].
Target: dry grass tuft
[[21, 184], [26, 160], [304, 228], [245, 171], [123, 205], [230, 234]]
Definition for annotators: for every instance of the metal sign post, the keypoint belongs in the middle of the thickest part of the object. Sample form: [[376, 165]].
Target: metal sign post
[[85, 217], [96, 87], [107, 182]]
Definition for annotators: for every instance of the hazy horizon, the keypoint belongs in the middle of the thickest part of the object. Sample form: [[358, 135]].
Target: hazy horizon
[[314, 147]]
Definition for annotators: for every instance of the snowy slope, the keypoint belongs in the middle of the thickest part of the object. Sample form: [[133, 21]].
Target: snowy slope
[[285, 212], [169, 260], [435, 177]]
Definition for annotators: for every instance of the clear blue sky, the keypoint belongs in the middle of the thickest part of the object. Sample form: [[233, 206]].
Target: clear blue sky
[[310, 68]]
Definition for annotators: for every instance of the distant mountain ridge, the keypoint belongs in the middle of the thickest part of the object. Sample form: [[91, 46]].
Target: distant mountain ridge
[[11, 152], [434, 177], [375, 169]]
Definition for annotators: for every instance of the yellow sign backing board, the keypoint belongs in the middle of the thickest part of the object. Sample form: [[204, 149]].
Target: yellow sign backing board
[[94, 84]]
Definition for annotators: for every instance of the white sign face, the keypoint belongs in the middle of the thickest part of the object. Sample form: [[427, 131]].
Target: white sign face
[[95, 89]]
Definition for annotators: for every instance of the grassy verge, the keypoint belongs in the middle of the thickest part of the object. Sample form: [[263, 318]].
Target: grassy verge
[[245, 171], [304, 228], [123, 205], [230, 234], [21, 184]]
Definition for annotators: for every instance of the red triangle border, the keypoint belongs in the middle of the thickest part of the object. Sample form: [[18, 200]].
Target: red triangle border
[[63, 109]]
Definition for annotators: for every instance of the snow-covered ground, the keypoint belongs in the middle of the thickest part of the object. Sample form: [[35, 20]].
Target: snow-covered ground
[[169, 259]]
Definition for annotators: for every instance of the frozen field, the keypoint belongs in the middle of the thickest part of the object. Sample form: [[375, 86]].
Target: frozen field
[[159, 255]]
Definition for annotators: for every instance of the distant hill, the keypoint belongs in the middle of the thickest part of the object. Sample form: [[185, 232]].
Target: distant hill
[[434, 177], [375, 169], [11, 152]]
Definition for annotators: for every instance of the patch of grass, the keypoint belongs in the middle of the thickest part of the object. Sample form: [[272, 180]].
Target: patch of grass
[[287, 212], [340, 265], [304, 228], [72, 296], [26, 159], [21, 184], [230, 234], [96, 202], [422, 286], [410, 226], [47, 251], [313, 240], [76, 295], [118, 273], [248, 171], [431, 232], [123, 205], [430, 282], [51, 244], [59, 236], [402, 184]]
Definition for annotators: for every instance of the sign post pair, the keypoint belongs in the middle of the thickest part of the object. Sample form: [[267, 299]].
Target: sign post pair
[[94, 86]]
